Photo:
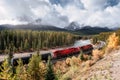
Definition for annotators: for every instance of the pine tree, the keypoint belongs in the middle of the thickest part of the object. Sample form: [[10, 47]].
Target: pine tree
[[33, 67], [81, 55], [50, 75], [26, 45], [10, 56], [42, 70], [19, 70], [6, 71], [6, 51]]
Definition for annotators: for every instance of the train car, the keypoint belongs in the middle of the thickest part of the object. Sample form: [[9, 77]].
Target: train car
[[84, 46], [66, 52], [45, 56], [87, 49], [25, 60]]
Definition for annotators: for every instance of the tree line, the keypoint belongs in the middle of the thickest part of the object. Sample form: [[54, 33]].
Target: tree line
[[28, 40], [104, 36]]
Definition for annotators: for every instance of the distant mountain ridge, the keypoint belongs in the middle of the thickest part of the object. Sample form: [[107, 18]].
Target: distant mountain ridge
[[86, 30], [32, 27], [72, 27], [93, 30]]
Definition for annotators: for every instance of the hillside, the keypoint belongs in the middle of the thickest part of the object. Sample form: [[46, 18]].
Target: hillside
[[88, 30], [105, 69], [101, 65], [103, 36]]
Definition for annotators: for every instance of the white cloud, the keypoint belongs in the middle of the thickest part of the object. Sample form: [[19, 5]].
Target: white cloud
[[96, 13], [87, 12], [109, 17], [94, 4], [54, 18], [12, 22], [14, 8]]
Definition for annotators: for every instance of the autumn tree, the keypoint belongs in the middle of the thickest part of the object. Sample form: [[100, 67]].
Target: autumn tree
[[6, 71], [33, 67], [20, 70], [112, 43]]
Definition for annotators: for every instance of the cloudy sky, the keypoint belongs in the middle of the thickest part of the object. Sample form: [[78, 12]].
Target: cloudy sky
[[105, 13]]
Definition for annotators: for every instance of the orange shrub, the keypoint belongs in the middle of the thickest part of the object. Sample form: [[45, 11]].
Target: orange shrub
[[85, 56], [68, 60], [113, 41], [75, 61], [97, 54]]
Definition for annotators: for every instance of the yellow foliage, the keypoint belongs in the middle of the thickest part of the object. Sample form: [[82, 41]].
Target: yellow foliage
[[75, 61], [113, 41], [68, 61], [87, 63], [97, 54]]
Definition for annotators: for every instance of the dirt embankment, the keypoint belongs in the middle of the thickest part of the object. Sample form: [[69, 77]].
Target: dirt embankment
[[107, 68]]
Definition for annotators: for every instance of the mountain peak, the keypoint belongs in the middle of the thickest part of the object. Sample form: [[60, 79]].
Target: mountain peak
[[73, 26]]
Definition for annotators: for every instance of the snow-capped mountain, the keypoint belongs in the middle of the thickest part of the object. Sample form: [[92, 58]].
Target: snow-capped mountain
[[73, 26]]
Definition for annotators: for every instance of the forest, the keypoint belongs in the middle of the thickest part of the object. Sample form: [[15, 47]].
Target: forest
[[104, 36], [28, 40], [15, 41]]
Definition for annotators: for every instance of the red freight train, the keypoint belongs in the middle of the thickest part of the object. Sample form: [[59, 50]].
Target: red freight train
[[65, 52], [86, 49]]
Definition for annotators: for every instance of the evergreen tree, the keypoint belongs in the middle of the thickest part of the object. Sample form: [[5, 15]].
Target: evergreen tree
[[6, 71], [50, 75], [42, 70], [81, 55], [6, 51], [19, 70], [33, 67], [10, 56], [26, 45]]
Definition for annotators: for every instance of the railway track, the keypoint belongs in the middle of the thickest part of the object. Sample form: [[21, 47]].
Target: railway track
[[21, 55]]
